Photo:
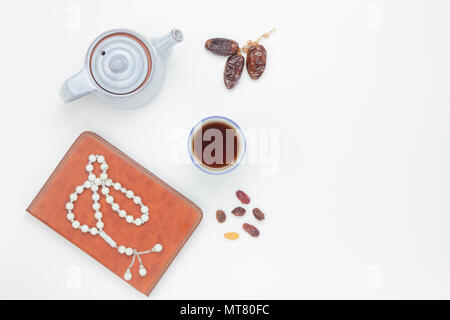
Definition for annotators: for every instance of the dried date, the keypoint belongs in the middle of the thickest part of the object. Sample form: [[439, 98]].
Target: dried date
[[251, 230], [243, 197], [238, 211], [222, 46], [221, 216], [256, 60], [233, 70], [259, 215]]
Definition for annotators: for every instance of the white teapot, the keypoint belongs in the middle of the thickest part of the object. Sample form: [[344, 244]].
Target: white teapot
[[123, 68]]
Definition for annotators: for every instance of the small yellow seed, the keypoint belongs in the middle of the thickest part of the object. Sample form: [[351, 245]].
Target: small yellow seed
[[231, 235]]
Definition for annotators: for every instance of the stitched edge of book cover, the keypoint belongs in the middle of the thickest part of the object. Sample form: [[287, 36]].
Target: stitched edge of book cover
[[138, 167]]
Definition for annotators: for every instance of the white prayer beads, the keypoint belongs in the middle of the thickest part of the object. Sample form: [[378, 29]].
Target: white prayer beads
[[103, 181]]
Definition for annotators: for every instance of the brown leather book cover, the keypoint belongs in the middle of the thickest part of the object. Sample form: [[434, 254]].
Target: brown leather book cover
[[172, 217]]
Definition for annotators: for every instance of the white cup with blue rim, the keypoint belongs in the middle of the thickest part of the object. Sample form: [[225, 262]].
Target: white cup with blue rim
[[195, 154]]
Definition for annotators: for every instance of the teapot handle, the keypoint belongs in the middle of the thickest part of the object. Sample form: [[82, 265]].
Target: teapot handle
[[76, 86]]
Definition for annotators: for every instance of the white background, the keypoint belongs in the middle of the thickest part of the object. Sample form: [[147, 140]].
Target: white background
[[355, 94]]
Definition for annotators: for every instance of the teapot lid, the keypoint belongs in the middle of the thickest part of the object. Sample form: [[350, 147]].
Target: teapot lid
[[120, 63]]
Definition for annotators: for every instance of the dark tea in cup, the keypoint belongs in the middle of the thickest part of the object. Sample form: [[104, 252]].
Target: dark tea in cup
[[216, 145]]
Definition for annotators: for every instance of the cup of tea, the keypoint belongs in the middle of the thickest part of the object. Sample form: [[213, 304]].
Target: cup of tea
[[216, 145]]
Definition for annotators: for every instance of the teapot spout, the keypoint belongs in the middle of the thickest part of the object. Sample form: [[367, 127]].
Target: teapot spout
[[164, 44]]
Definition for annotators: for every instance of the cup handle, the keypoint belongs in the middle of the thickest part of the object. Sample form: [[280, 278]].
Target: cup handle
[[76, 86]]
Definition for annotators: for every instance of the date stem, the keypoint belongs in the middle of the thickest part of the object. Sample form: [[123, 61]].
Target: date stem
[[263, 36]]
